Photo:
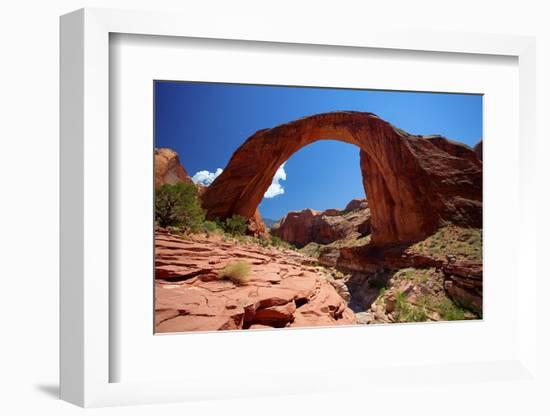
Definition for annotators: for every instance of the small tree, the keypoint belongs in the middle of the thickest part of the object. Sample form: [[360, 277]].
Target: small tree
[[178, 205]]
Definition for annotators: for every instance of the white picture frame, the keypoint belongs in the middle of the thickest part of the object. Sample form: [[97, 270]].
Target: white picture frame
[[85, 212]]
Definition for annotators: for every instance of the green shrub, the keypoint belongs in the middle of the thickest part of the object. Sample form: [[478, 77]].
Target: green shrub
[[263, 241], [312, 250], [276, 241], [235, 225], [178, 205], [238, 272], [211, 226], [407, 312], [449, 311]]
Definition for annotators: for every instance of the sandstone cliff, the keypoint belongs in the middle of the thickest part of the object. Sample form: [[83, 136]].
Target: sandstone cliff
[[168, 168]]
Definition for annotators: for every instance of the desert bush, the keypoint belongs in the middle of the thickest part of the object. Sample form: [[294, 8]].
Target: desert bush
[[276, 241], [242, 239], [178, 205], [211, 227], [406, 312], [263, 241], [312, 249], [448, 310], [238, 272], [235, 225]]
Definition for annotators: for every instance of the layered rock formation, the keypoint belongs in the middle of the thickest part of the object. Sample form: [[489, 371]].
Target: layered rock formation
[[463, 278], [324, 227], [414, 183], [168, 168], [464, 284], [284, 289]]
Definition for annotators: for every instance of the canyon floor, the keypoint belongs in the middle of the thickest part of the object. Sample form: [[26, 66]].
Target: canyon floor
[[433, 280], [285, 289]]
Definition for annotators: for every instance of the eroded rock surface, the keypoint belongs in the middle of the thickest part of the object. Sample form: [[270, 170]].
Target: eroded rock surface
[[414, 183], [285, 290], [463, 279], [464, 284]]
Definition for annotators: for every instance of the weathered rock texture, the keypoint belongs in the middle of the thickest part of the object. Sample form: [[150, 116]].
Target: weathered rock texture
[[256, 225], [168, 168], [464, 284], [324, 227], [284, 289], [413, 183], [463, 278]]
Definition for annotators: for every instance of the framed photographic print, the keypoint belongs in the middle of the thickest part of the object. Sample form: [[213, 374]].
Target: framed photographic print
[[275, 197]]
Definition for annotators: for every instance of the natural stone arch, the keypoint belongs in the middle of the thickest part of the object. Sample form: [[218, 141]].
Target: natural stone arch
[[413, 183]]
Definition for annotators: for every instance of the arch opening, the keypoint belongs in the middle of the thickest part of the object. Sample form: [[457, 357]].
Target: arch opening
[[323, 175]]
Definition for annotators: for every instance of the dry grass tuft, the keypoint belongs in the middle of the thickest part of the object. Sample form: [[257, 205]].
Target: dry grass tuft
[[238, 272]]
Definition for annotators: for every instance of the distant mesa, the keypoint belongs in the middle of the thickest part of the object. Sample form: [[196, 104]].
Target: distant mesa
[[324, 227], [414, 183]]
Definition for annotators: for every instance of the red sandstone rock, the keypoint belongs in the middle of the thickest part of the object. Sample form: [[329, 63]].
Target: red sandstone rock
[[414, 183], [355, 204], [371, 258], [324, 227], [168, 168], [464, 284], [283, 291], [255, 225]]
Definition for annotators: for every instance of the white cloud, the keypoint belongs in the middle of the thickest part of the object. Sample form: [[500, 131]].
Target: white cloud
[[276, 188], [205, 177]]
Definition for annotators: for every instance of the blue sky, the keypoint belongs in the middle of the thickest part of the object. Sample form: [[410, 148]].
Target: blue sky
[[206, 122]]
